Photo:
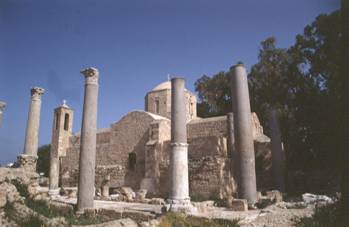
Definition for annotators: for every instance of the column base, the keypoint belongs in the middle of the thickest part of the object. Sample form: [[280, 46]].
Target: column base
[[27, 162], [180, 206]]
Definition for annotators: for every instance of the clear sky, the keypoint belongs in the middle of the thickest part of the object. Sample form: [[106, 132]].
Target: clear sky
[[133, 43]]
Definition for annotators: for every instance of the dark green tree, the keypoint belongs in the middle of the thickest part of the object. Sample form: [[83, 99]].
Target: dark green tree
[[214, 95], [43, 163]]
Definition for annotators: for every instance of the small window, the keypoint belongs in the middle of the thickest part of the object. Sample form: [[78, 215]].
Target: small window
[[132, 159], [57, 120], [157, 106], [66, 122]]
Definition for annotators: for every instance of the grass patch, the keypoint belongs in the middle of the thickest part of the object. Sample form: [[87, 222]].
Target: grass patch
[[324, 216], [42, 208], [182, 220], [31, 221]]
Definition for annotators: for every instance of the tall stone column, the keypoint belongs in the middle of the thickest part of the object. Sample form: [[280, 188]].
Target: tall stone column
[[28, 159], [86, 189], [2, 107], [277, 150], [179, 180], [234, 158], [243, 134]]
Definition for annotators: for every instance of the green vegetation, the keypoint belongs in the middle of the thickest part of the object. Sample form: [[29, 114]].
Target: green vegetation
[[181, 220], [42, 208], [43, 163], [31, 221], [309, 83], [324, 216]]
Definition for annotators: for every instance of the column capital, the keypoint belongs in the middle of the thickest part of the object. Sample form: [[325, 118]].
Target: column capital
[[91, 75], [2, 105], [37, 92]]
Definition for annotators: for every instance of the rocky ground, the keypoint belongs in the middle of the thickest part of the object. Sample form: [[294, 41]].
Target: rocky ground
[[17, 187]]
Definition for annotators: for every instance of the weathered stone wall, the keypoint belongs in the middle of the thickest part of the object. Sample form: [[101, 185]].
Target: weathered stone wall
[[162, 98], [114, 146], [148, 135]]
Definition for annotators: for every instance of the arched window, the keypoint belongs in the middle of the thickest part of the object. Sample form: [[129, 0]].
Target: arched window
[[57, 120], [66, 122], [132, 160], [157, 106]]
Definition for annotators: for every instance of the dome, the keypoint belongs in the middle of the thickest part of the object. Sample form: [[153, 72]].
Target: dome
[[163, 86]]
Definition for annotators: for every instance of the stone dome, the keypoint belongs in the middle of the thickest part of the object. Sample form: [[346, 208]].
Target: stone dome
[[163, 86]]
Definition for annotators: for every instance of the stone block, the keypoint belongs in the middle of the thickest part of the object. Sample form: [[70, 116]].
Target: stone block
[[141, 194], [237, 204], [204, 206], [275, 196], [157, 201]]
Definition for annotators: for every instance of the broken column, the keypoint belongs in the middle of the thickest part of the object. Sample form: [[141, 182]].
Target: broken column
[[86, 189], [243, 135], [277, 150], [29, 157], [179, 183], [2, 107]]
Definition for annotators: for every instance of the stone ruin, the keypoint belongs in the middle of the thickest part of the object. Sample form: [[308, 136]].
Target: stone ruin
[[165, 151], [135, 151]]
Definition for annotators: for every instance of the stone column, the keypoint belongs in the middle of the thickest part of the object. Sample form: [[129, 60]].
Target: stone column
[[179, 181], [86, 189], [277, 150], [244, 143], [2, 107], [234, 159], [28, 159]]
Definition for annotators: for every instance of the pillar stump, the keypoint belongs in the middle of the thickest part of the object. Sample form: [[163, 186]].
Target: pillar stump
[[29, 157], [86, 186], [277, 151], [243, 135]]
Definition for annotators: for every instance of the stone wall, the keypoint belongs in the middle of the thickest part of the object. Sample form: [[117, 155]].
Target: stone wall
[[147, 136], [114, 147]]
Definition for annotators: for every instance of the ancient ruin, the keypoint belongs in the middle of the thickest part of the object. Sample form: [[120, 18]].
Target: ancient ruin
[[86, 189], [179, 180], [243, 134], [135, 151], [29, 157]]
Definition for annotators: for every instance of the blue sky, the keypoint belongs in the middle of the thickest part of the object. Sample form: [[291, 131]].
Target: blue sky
[[133, 43]]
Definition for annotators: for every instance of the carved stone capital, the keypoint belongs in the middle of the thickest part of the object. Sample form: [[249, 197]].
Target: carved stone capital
[[27, 162], [36, 93], [91, 75]]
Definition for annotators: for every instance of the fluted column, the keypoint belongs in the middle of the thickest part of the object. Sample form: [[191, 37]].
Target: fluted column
[[86, 187], [244, 143], [277, 150], [179, 182], [2, 107]]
